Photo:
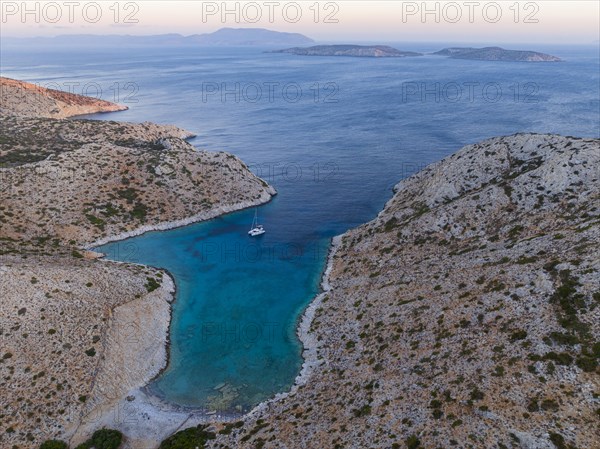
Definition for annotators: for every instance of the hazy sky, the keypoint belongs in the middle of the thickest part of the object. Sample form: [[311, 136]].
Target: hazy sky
[[548, 21]]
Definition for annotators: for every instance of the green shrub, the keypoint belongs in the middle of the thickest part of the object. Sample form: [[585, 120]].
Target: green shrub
[[518, 335], [562, 358], [390, 224], [533, 406], [106, 439], [412, 442], [363, 411], [192, 438], [587, 364], [558, 440], [476, 394], [549, 405], [151, 284], [98, 222], [564, 338]]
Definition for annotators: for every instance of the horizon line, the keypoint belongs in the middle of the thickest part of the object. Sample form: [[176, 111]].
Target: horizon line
[[360, 40]]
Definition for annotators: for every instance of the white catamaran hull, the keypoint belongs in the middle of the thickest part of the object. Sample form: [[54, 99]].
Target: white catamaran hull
[[256, 229], [256, 232]]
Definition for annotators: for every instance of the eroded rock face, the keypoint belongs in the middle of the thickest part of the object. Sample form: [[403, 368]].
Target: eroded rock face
[[30, 100], [466, 314]]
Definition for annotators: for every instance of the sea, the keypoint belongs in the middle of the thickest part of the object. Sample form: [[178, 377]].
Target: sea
[[333, 135]]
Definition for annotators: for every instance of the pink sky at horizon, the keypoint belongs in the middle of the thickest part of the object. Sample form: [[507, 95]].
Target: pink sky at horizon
[[544, 21]]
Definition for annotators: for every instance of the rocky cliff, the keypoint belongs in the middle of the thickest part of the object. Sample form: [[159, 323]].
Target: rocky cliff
[[80, 181]]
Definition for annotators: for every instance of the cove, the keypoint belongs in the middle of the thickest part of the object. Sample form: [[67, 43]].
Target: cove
[[233, 337], [334, 164]]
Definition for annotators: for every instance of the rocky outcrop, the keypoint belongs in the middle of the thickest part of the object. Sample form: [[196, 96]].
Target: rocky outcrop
[[466, 314], [365, 51], [26, 99], [496, 54]]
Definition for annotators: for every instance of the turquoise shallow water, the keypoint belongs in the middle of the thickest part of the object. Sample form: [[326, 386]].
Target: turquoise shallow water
[[232, 325], [333, 164]]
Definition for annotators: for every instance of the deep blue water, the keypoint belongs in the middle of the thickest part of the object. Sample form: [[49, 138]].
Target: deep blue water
[[333, 163]]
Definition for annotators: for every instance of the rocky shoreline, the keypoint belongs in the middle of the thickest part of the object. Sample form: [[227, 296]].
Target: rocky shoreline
[[357, 51], [164, 419], [466, 312], [202, 216], [27, 99], [496, 54]]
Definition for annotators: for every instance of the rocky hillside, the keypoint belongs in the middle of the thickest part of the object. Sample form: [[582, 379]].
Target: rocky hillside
[[79, 181], [466, 315], [26, 99], [77, 334], [60, 322]]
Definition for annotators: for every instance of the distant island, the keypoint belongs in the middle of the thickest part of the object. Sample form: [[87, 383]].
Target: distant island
[[362, 51], [496, 54], [223, 37], [250, 36]]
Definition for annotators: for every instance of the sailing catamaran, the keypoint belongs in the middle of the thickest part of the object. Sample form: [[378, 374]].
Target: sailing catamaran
[[257, 229]]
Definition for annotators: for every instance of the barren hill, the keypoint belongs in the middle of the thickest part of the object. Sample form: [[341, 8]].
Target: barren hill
[[467, 314], [26, 99]]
